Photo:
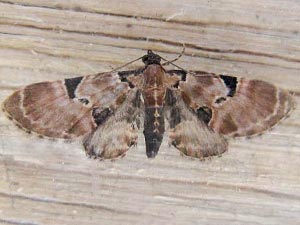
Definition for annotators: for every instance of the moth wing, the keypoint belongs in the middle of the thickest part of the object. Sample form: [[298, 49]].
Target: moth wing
[[119, 132], [235, 107], [193, 137], [64, 108]]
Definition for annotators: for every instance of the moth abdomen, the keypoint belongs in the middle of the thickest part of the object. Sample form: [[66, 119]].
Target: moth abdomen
[[154, 128]]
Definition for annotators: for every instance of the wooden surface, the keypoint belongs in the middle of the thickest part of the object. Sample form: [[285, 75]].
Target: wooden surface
[[49, 182]]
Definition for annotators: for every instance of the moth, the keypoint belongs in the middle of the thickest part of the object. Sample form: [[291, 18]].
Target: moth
[[199, 110]]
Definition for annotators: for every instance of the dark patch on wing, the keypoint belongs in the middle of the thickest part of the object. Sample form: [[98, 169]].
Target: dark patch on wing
[[124, 74], [71, 85], [180, 73], [204, 113], [231, 83], [101, 115], [174, 117], [219, 100], [170, 100], [137, 99], [84, 101]]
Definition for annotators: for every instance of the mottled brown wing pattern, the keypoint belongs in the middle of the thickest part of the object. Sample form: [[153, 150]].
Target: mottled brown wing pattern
[[191, 136], [235, 107], [66, 108], [115, 135]]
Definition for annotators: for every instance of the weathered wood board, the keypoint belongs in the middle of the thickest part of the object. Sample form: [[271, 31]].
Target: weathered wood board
[[49, 182]]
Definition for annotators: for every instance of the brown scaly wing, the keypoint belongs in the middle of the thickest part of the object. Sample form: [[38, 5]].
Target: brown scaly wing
[[235, 107], [114, 136], [66, 108], [193, 137]]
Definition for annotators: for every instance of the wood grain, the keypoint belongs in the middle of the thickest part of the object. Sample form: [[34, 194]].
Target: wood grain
[[50, 182]]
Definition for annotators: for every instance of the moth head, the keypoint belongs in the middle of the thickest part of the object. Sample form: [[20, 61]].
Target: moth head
[[151, 58]]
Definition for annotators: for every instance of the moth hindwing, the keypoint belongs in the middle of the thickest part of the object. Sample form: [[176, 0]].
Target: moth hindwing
[[199, 109]]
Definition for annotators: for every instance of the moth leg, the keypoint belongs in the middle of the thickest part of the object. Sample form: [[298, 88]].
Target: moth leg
[[192, 136]]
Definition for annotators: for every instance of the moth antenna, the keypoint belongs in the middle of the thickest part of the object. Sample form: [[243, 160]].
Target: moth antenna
[[126, 64], [178, 57], [170, 62]]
